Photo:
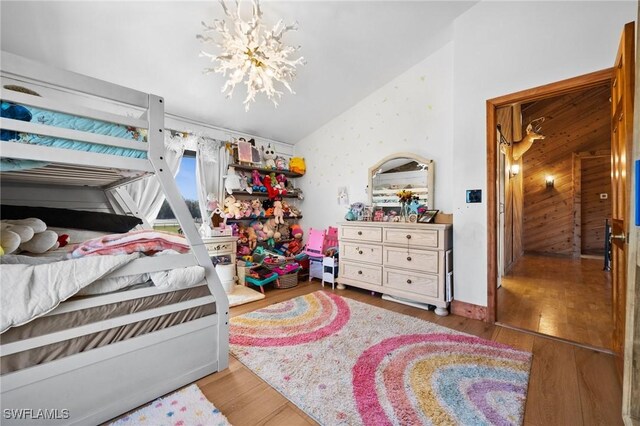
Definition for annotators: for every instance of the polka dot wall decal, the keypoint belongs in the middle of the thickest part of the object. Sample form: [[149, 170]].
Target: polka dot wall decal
[[422, 78]]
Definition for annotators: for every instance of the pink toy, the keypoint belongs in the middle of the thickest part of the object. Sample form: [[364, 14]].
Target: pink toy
[[258, 227], [257, 181], [320, 240], [282, 180]]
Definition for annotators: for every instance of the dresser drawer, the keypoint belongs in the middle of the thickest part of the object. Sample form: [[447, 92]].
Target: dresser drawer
[[414, 282], [219, 248], [361, 233], [420, 260], [369, 274], [361, 252], [427, 238]]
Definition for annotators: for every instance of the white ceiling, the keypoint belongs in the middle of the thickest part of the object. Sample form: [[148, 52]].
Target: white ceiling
[[351, 48]]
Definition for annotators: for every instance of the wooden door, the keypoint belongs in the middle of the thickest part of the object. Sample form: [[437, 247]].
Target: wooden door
[[622, 87]]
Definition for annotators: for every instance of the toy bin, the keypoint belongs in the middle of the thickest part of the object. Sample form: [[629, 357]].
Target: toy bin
[[226, 273], [287, 281]]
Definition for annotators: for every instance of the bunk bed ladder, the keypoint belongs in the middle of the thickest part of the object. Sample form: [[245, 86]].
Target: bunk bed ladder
[[174, 198]]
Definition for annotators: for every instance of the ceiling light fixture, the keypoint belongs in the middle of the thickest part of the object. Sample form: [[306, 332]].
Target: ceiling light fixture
[[252, 54]]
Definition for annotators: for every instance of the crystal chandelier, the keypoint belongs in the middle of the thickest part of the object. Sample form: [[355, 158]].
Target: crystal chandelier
[[252, 54]]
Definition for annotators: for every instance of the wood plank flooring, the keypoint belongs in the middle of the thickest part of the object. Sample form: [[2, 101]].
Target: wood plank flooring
[[558, 296], [569, 385]]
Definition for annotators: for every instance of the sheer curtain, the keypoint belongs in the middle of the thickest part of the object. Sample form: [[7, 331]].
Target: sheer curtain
[[212, 161], [146, 193]]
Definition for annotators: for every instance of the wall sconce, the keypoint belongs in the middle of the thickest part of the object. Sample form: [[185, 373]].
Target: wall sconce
[[514, 170], [549, 181]]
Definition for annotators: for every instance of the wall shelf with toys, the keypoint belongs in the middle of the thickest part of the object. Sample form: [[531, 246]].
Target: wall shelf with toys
[[261, 194], [287, 173], [230, 219]]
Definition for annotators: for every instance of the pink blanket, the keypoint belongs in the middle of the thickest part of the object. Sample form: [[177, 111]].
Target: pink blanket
[[146, 241]]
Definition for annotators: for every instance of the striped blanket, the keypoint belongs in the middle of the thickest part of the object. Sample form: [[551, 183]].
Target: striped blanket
[[145, 241]]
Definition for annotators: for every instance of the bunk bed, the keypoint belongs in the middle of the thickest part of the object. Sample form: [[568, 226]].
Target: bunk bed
[[99, 356]]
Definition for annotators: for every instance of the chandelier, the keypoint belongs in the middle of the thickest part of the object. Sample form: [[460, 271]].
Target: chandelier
[[252, 54]]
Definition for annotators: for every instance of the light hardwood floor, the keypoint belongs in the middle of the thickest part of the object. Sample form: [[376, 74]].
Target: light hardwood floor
[[569, 385], [561, 297]]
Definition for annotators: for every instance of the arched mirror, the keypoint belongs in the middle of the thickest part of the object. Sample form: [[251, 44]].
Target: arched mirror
[[397, 172]]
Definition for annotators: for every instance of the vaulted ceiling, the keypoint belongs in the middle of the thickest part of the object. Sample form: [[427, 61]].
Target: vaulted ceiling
[[351, 48]]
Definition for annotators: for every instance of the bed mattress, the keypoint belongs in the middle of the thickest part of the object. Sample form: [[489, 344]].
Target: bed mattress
[[53, 323], [66, 121]]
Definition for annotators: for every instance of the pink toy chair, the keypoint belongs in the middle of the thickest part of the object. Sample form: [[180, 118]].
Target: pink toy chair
[[315, 243]]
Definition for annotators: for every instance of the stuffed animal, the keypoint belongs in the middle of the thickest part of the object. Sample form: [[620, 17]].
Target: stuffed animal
[[286, 209], [271, 229], [269, 186], [252, 237], [258, 227], [257, 181], [235, 182], [245, 208], [297, 165], [295, 246], [281, 163], [269, 157], [277, 189], [257, 210], [414, 205], [30, 235], [232, 207], [278, 213], [282, 180], [294, 211]]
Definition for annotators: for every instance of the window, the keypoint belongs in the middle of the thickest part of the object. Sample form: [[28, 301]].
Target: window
[[186, 180]]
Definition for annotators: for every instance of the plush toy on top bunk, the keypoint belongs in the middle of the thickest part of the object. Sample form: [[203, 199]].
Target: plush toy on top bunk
[[28, 235]]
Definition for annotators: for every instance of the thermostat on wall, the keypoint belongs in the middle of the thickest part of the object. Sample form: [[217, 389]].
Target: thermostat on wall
[[474, 195]]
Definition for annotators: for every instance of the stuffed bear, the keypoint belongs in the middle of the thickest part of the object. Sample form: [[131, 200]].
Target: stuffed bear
[[30, 235], [278, 213], [232, 207]]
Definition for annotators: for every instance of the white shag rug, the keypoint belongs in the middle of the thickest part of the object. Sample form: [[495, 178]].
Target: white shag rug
[[242, 295], [186, 407]]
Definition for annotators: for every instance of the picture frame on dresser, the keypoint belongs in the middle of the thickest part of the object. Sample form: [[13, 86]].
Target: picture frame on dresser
[[428, 216]]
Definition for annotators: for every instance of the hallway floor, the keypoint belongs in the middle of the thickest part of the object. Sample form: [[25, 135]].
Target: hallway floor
[[562, 297]]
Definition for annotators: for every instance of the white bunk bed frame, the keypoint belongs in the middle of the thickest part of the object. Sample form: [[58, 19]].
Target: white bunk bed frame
[[102, 383]]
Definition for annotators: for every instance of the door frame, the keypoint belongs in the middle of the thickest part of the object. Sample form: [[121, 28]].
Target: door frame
[[553, 89]]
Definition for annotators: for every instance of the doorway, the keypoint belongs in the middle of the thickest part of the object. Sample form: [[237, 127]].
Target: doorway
[[537, 235], [555, 198]]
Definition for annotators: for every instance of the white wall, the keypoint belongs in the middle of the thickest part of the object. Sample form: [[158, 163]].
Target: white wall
[[411, 113], [501, 48]]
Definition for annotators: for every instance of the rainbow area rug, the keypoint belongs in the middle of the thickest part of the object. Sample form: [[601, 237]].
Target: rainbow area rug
[[348, 363]]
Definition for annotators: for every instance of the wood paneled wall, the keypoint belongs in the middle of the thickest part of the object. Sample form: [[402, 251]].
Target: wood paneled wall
[[574, 123], [595, 176], [509, 120]]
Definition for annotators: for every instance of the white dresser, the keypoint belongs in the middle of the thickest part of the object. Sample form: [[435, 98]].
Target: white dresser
[[410, 263]]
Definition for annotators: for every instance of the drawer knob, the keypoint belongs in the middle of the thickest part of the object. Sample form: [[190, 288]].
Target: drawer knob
[[359, 232], [359, 272], [408, 281], [408, 236], [409, 258], [360, 252]]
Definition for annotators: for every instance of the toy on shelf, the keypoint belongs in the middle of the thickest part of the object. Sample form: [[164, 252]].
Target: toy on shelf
[[232, 207], [269, 156], [281, 163], [278, 213], [256, 208], [297, 165], [234, 182], [258, 185]]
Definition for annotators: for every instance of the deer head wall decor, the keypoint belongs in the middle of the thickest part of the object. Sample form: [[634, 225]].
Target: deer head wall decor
[[517, 149]]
